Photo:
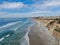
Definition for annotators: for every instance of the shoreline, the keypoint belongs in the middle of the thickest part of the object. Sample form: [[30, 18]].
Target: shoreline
[[37, 36]]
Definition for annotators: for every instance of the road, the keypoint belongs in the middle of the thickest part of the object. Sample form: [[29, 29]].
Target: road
[[39, 35]]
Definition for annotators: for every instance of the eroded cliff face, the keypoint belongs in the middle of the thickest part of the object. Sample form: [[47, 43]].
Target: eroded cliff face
[[50, 23], [53, 25], [40, 35]]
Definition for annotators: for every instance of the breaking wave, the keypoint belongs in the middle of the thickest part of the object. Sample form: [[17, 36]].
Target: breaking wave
[[14, 28]]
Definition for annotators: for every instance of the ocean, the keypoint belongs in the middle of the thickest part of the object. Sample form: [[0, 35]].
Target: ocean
[[13, 29]]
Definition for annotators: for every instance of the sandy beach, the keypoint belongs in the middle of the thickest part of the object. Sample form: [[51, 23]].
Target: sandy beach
[[34, 39], [38, 36]]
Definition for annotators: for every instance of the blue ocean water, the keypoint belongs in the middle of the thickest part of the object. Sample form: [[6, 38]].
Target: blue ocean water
[[15, 27], [4, 21]]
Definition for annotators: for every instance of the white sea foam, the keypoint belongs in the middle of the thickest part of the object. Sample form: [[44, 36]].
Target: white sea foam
[[2, 39], [9, 24], [7, 35], [26, 40]]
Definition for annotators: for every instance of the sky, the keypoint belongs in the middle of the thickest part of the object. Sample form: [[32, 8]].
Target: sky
[[29, 8]]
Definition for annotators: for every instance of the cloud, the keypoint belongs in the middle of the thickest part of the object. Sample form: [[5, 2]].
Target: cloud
[[46, 4], [11, 5], [51, 4], [28, 14], [36, 9]]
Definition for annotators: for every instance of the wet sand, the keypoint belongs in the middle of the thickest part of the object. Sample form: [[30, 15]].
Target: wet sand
[[34, 39], [39, 36]]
